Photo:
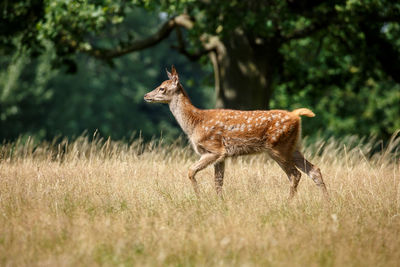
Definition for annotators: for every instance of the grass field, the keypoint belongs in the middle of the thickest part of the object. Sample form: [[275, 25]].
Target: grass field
[[108, 203]]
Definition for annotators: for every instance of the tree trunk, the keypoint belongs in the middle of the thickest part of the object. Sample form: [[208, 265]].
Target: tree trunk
[[245, 71]]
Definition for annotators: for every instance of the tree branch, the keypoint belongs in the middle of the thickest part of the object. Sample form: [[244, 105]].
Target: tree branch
[[181, 47], [106, 54]]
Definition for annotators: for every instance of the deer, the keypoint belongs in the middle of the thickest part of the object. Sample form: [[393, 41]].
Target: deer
[[217, 134]]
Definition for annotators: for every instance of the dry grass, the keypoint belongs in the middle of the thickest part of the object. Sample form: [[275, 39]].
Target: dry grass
[[106, 203]]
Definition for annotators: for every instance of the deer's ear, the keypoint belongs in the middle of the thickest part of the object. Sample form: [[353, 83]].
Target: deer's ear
[[175, 77], [169, 74], [173, 70]]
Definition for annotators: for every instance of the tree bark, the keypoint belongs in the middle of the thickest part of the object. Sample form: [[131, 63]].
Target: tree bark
[[244, 71]]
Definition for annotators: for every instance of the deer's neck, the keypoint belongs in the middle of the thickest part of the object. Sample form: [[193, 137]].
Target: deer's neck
[[184, 112]]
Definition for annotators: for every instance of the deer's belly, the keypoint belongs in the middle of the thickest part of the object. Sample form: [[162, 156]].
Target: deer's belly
[[230, 145], [242, 146]]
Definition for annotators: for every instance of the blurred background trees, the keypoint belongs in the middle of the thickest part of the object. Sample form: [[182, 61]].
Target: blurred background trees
[[70, 66]]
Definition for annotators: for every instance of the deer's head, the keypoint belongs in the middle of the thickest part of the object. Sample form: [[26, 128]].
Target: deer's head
[[166, 91]]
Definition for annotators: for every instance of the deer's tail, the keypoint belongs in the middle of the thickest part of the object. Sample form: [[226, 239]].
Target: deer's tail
[[303, 112]]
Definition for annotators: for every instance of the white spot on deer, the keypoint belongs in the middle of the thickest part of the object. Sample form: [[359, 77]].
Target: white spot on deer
[[284, 127], [282, 120], [286, 117], [206, 128], [277, 124], [269, 119], [211, 120]]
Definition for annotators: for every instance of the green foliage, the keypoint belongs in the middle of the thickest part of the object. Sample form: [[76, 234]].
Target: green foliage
[[18, 24], [340, 58], [341, 76], [46, 102]]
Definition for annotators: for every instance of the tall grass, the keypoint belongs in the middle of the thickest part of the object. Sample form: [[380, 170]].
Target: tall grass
[[99, 202]]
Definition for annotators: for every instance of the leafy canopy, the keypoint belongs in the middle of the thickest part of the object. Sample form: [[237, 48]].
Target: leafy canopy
[[339, 57]]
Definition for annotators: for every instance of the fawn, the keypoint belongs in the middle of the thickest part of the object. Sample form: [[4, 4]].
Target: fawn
[[216, 134]]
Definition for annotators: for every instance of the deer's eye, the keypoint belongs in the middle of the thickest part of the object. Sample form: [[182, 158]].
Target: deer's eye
[[162, 89]]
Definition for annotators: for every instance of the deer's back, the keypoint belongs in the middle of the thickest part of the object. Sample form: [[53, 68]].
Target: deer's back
[[233, 132]]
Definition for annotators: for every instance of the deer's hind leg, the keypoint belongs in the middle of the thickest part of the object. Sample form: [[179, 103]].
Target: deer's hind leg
[[311, 170], [294, 176], [288, 166]]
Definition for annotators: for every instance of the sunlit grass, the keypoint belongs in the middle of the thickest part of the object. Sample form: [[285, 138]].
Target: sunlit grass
[[100, 202]]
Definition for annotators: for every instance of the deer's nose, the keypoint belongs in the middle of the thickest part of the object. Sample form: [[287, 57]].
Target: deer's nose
[[147, 98]]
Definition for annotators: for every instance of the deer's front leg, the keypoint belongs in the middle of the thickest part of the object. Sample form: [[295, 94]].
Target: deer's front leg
[[219, 168], [205, 160]]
